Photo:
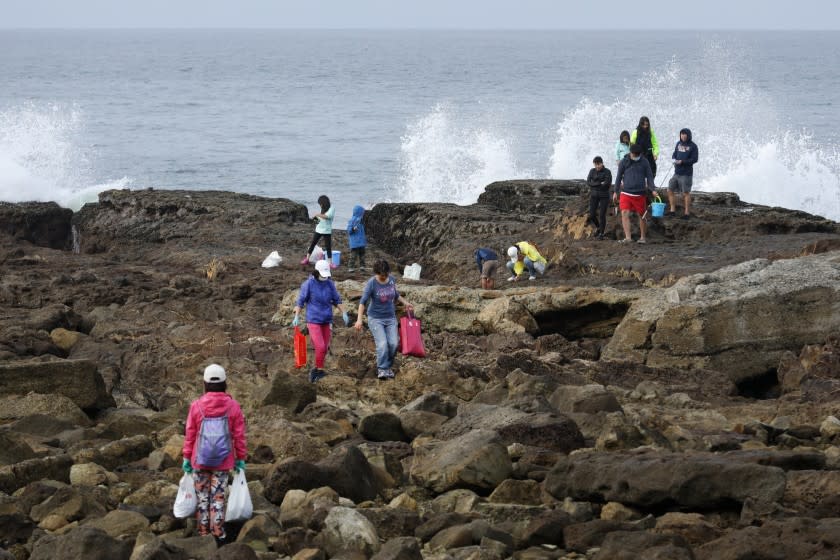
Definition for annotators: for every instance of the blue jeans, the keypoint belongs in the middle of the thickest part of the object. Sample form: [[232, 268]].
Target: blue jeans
[[529, 264], [385, 337]]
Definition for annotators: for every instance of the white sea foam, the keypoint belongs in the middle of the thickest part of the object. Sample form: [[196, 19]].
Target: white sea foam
[[744, 148], [41, 160], [446, 159]]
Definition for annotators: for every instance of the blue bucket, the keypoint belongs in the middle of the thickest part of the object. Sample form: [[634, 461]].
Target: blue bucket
[[336, 258], [657, 210]]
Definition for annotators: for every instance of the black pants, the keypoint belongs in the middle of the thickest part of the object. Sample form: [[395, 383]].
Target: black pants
[[599, 201], [357, 256], [327, 243], [652, 162]]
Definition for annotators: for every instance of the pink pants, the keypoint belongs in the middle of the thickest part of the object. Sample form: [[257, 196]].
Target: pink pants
[[320, 335]]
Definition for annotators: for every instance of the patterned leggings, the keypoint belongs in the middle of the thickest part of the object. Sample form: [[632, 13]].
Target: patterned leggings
[[210, 491]]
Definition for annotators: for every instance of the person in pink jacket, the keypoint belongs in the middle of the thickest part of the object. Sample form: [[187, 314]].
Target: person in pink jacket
[[218, 448]]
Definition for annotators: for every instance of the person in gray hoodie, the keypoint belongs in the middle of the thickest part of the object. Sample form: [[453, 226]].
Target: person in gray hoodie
[[684, 157], [633, 182]]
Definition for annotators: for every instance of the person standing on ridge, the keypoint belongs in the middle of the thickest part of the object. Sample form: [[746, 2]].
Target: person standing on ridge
[[487, 261], [622, 147], [644, 137], [378, 297], [633, 182], [685, 156], [209, 459], [318, 293], [356, 239], [322, 229], [599, 181]]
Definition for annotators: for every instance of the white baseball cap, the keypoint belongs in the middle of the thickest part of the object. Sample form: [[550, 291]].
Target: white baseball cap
[[323, 268], [214, 373], [513, 252]]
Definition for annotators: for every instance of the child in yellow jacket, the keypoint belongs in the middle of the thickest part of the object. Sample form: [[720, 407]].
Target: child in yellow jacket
[[524, 255]]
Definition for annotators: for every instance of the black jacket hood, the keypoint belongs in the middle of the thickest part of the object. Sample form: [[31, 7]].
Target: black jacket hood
[[687, 132]]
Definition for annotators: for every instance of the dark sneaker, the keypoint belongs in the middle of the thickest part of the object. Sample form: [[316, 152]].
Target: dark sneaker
[[389, 374], [686, 216], [316, 374], [382, 374]]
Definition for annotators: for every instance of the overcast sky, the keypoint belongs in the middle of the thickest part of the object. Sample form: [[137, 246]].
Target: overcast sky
[[438, 14]]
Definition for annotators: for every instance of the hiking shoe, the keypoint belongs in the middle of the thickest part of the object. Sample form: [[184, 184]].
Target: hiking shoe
[[685, 216], [382, 374], [625, 240], [642, 241], [512, 278], [316, 374], [532, 278], [670, 213]]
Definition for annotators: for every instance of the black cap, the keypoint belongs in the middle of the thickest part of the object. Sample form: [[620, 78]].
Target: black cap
[[635, 149]]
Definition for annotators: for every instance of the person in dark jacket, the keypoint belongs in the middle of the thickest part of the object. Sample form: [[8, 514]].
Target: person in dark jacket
[[357, 239], [633, 183], [319, 294], [685, 156], [599, 181], [488, 262]]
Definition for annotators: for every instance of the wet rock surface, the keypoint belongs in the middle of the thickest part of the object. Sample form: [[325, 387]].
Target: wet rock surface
[[669, 400]]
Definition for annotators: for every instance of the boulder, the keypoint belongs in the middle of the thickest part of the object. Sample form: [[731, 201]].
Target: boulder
[[738, 320], [77, 380], [14, 449], [345, 470], [45, 224], [382, 426], [81, 543], [643, 545], [589, 399], [287, 391], [788, 539], [20, 474], [347, 530], [120, 523], [701, 480], [399, 548], [477, 459]]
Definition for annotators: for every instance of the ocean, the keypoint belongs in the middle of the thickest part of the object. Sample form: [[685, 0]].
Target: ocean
[[373, 116]]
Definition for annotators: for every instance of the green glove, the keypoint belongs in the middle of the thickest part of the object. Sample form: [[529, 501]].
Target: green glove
[[239, 465], [187, 466]]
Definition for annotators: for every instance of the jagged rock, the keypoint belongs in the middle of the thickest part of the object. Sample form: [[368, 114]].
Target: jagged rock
[[61, 408], [589, 399], [14, 449], [643, 545], [693, 527], [791, 539], [739, 319], [418, 422], [346, 529], [15, 524], [288, 391], [20, 474], [399, 548], [120, 523], [78, 380], [345, 470], [516, 492], [82, 543], [392, 522], [434, 402], [236, 551], [651, 479], [41, 223], [477, 459], [90, 474]]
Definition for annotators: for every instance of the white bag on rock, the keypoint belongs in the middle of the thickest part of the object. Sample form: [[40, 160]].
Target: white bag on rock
[[239, 506], [412, 272], [185, 501], [272, 260]]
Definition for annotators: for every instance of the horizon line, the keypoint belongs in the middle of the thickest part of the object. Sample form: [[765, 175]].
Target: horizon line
[[482, 29]]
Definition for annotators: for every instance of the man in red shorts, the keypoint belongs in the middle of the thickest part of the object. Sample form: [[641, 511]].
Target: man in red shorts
[[633, 182]]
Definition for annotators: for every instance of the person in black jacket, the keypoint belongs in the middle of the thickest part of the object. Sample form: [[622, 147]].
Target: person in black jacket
[[599, 181], [685, 156]]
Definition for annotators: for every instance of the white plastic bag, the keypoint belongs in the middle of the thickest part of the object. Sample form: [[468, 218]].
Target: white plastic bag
[[185, 501], [239, 506], [272, 260], [412, 272], [317, 255]]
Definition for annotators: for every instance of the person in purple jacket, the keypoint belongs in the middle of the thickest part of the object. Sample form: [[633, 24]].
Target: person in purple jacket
[[319, 294]]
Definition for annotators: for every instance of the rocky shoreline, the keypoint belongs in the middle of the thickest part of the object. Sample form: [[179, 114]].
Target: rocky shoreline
[[676, 400]]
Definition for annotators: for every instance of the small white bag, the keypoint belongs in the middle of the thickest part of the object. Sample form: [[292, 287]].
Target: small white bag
[[272, 260], [185, 501], [317, 255], [239, 506]]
